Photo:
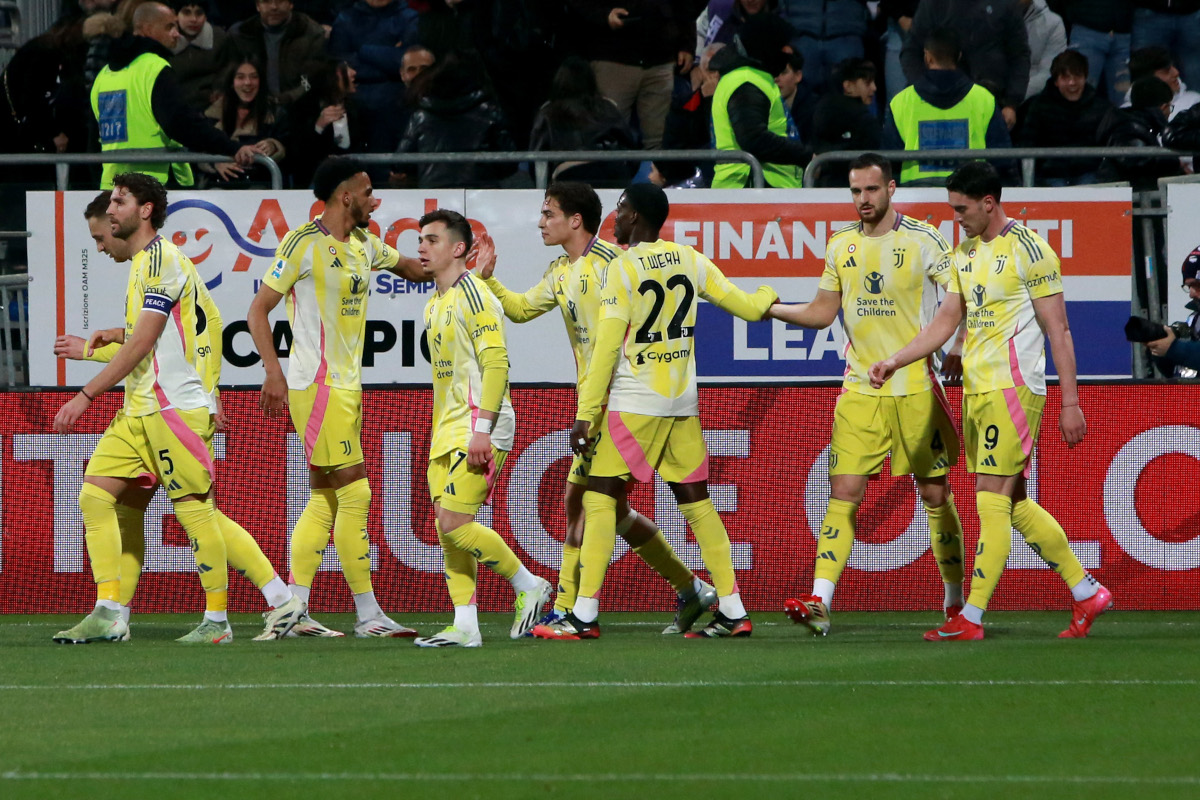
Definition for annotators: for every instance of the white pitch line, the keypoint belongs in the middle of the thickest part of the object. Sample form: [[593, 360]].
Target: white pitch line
[[682, 684], [605, 777]]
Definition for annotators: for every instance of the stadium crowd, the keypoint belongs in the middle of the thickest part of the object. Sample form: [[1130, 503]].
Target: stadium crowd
[[299, 80]]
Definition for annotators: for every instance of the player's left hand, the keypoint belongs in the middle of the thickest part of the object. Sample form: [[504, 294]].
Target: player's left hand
[[580, 440], [484, 253], [70, 413], [880, 372], [221, 419], [68, 346], [1072, 424], [479, 453], [952, 367]]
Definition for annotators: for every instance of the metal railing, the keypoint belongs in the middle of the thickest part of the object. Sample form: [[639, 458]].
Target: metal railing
[[1027, 155], [14, 334], [150, 156]]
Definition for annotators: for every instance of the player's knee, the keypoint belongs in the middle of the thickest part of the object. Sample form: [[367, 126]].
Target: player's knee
[[690, 492], [934, 495], [357, 494], [93, 500]]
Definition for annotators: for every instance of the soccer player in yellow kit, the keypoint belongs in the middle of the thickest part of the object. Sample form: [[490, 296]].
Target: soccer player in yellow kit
[[652, 424], [570, 217], [1008, 283], [164, 427], [883, 273], [473, 427], [242, 552], [324, 269]]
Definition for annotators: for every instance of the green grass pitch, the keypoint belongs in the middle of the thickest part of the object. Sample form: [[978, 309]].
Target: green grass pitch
[[872, 711]]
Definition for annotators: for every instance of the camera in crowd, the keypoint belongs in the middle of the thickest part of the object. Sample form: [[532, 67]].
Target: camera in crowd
[[1143, 329]]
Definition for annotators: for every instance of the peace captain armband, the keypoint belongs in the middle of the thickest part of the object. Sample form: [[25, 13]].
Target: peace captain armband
[[484, 425], [153, 301]]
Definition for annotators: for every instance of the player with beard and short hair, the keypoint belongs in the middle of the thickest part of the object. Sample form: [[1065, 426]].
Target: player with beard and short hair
[[324, 269], [883, 273]]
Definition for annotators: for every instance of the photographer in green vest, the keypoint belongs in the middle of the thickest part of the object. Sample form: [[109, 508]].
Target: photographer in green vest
[[943, 110], [139, 104], [748, 112]]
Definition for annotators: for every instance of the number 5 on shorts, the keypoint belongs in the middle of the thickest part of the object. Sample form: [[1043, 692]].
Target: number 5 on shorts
[[165, 457]]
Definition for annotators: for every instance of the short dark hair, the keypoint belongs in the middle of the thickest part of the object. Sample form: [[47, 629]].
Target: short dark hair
[[867, 160], [145, 189], [1148, 60], [574, 198], [650, 202], [944, 44], [1150, 92], [332, 173], [854, 69], [98, 208], [975, 179], [796, 61], [456, 224], [1069, 62]]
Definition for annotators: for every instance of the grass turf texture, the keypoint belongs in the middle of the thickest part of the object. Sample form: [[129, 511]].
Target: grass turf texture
[[871, 711]]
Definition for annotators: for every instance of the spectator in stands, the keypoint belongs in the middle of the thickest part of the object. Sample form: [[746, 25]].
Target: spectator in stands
[[1156, 61], [943, 110], [992, 35], [799, 99], [457, 113], [325, 121], [372, 36], [289, 43], [416, 60], [825, 32], [1100, 29], [245, 112], [720, 19], [1067, 113], [1047, 38], [748, 110], [578, 117], [129, 118], [1175, 24], [1140, 125], [843, 120], [636, 47], [194, 58], [899, 16]]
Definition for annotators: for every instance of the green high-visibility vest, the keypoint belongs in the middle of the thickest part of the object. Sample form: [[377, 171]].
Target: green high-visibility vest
[[735, 175], [121, 104], [924, 126]]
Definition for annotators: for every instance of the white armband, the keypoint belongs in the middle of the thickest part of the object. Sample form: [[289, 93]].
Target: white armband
[[484, 425]]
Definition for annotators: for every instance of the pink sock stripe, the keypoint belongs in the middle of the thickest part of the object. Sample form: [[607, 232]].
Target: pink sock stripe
[[629, 448], [191, 440], [1021, 423], [1014, 365], [701, 473]]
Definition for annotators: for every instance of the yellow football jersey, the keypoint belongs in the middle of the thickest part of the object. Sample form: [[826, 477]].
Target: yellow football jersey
[[574, 288], [163, 280], [653, 289], [999, 280], [889, 287], [326, 282], [460, 325]]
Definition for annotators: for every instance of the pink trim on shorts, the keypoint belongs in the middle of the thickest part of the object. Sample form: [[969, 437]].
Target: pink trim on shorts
[[316, 419], [146, 480], [629, 448], [939, 391], [1014, 365], [1021, 422], [701, 473], [189, 439]]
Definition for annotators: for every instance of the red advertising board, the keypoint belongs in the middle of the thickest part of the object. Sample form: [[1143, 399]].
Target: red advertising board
[[1126, 498]]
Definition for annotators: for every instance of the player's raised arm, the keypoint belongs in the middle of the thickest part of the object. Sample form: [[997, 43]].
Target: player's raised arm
[[720, 291], [943, 325], [518, 307], [274, 389], [1052, 316], [820, 312]]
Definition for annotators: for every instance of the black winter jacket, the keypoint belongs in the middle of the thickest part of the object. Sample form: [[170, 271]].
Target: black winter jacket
[[461, 124]]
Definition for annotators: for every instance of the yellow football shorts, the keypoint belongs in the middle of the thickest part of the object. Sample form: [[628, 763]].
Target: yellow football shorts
[[175, 445], [328, 421], [458, 488], [1000, 429], [636, 446], [581, 465], [916, 429]]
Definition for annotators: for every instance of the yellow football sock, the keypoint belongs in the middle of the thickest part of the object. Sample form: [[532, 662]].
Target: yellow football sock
[[599, 540], [657, 552], [102, 535], [1047, 538], [710, 533], [243, 553], [995, 543], [461, 570], [946, 540], [132, 522], [199, 519], [350, 534], [568, 579], [836, 540], [487, 547], [311, 536]]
